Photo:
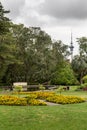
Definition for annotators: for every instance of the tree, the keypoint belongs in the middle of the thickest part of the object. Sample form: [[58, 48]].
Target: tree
[[64, 76], [4, 21], [7, 47], [79, 63], [82, 45]]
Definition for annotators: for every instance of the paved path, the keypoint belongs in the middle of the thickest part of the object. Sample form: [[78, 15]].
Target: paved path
[[50, 103]]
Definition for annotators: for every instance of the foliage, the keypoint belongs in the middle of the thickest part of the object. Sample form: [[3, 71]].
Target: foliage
[[4, 21], [84, 79], [64, 76], [83, 85], [79, 63], [41, 87], [39, 58], [18, 88], [82, 45], [60, 89], [7, 44]]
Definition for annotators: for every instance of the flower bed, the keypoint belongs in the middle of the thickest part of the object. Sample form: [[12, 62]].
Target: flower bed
[[51, 97], [12, 100], [35, 102], [40, 95], [44, 95], [60, 99]]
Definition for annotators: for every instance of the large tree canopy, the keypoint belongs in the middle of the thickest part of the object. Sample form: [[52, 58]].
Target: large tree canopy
[[29, 54]]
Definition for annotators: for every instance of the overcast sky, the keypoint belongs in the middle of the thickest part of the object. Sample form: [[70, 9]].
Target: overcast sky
[[56, 17]]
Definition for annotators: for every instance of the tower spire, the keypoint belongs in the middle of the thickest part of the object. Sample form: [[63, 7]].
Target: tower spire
[[71, 46]]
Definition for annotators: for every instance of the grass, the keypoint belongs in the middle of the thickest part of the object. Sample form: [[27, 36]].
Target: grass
[[61, 117], [73, 91], [76, 93]]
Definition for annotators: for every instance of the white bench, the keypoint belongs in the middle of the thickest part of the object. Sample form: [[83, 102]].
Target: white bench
[[23, 84]]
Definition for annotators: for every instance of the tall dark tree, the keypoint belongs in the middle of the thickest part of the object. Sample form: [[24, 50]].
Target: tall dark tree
[[4, 21], [7, 46]]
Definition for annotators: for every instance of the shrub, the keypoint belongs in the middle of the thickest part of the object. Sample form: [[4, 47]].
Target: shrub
[[83, 85], [84, 79], [41, 87], [18, 88], [60, 89]]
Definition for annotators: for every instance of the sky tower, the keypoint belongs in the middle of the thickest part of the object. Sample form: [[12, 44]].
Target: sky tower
[[71, 48]]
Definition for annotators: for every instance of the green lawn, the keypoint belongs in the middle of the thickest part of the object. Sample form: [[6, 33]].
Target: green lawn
[[76, 93], [61, 117], [73, 92]]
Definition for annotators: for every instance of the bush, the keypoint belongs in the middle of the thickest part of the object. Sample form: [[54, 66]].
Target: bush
[[41, 87], [18, 88], [84, 79], [60, 89], [83, 85]]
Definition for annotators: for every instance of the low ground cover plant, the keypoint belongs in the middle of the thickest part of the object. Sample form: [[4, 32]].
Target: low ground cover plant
[[61, 99], [53, 97], [35, 102], [22, 101], [12, 100]]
